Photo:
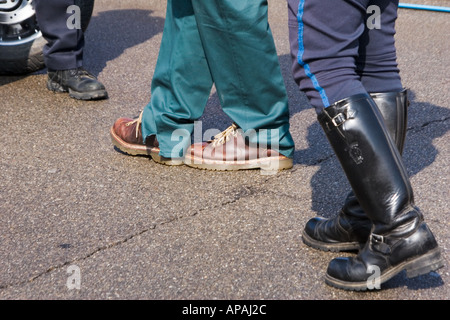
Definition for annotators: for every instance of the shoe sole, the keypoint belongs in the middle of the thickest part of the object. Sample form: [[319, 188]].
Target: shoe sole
[[333, 247], [91, 95], [141, 150], [428, 262], [268, 164]]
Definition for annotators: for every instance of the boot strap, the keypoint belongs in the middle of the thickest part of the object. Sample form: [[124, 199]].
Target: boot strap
[[339, 119], [340, 111], [378, 243], [335, 121]]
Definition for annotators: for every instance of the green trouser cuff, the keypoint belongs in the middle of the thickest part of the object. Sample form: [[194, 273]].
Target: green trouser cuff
[[227, 43]]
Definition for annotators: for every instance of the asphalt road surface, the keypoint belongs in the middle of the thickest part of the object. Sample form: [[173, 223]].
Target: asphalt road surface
[[80, 220]]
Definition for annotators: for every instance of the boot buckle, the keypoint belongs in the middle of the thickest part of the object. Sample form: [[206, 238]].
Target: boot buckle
[[378, 243], [338, 119], [375, 238]]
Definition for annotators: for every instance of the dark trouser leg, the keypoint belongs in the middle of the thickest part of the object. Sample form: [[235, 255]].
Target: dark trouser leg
[[334, 55], [63, 53], [64, 49]]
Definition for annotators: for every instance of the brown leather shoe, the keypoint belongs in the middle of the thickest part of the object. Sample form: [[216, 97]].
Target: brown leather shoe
[[228, 151], [126, 135]]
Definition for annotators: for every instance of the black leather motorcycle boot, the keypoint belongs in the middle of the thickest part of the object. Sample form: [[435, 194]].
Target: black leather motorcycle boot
[[350, 229], [78, 82], [399, 238]]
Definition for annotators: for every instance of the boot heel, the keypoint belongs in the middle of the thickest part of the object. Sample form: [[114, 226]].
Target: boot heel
[[425, 264]]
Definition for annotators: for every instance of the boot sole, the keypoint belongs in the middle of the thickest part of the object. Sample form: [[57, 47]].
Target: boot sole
[[333, 247], [91, 95], [141, 150], [428, 262], [267, 164]]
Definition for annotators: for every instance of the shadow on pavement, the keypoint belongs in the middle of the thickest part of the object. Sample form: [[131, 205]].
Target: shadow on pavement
[[330, 182], [110, 33], [427, 281]]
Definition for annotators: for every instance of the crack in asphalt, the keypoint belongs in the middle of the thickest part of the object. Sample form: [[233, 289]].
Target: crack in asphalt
[[426, 124], [245, 191]]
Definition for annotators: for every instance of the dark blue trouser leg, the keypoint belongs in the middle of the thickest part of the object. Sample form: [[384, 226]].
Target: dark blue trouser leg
[[335, 54], [64, 49], [376, 62]]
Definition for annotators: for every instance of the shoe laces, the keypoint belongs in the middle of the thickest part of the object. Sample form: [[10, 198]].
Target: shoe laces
[[138, 122], [84, 72], [79, 72], [225, 135], [53, 84]]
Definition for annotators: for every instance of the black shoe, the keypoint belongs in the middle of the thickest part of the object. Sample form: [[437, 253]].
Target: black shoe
[[350, 229], [78, 82], [399, 239]]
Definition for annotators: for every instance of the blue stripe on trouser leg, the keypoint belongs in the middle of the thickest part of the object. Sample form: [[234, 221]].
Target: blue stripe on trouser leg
[[301, 50], [327, 41]]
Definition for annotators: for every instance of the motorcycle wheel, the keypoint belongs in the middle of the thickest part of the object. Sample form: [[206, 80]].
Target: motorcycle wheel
[[21, 41]]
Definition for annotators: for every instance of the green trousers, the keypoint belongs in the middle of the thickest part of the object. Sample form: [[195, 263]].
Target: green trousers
[[227, 43]]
